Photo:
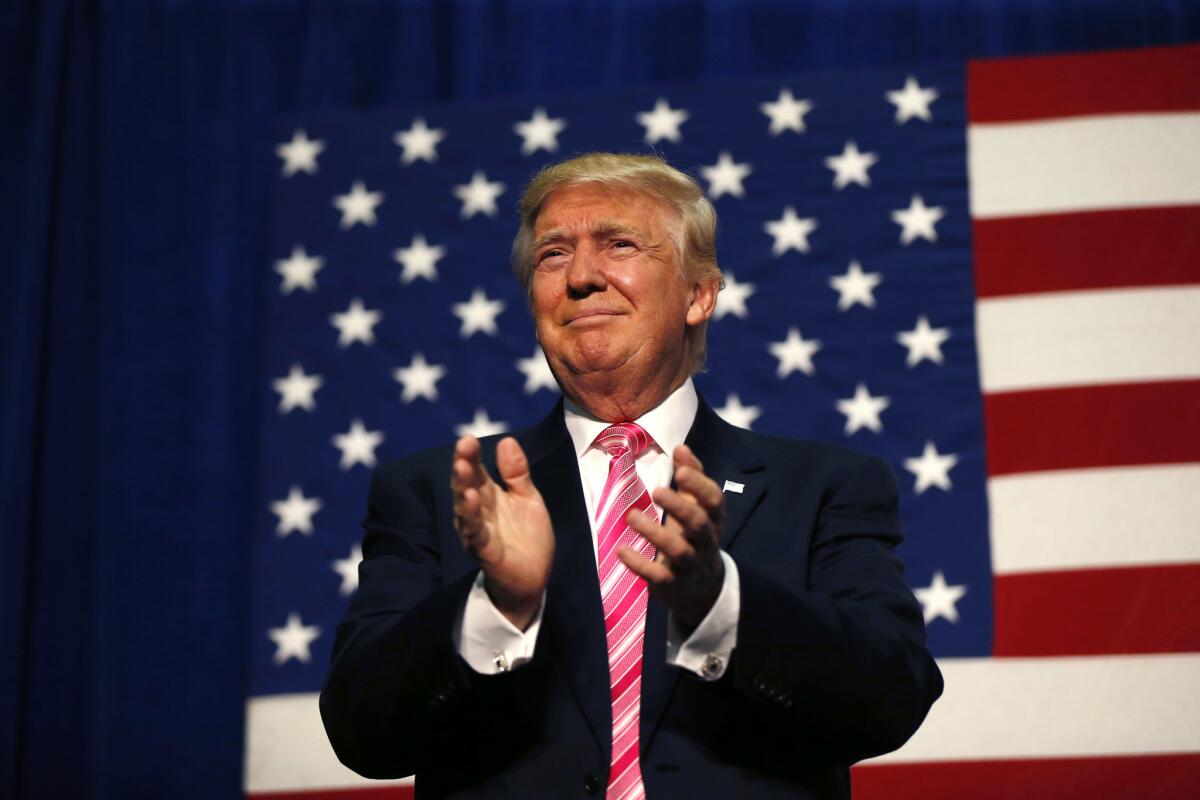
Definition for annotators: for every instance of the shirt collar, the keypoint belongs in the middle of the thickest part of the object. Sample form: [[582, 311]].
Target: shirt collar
[[667, 423]]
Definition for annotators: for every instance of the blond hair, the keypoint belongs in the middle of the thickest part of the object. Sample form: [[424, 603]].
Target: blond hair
[[695, 234]]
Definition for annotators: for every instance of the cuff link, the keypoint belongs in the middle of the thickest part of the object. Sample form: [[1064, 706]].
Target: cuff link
[[711, 668], [500, 663]]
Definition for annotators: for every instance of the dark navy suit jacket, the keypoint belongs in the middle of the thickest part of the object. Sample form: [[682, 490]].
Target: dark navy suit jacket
[[830, 665]]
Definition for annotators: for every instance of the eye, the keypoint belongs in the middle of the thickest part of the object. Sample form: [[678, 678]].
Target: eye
[[552, 259], [623, 243]]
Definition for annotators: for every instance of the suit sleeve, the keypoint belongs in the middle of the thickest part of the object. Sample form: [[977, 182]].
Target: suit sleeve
[[842, 653], [397, 688]]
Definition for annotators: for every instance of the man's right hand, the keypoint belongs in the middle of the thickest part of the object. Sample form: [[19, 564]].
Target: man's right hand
[[507, 532]]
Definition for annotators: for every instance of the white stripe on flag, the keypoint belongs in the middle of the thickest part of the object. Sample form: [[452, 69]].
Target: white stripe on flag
[[1081, 164], [286, 748], [992, 708], [1051, 707], [1086, 518], [1088, 338]]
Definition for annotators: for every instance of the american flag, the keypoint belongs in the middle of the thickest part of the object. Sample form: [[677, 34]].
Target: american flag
[[988, 274]]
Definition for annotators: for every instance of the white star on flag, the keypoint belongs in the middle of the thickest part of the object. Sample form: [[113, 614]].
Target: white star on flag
[[357, 445], [938, 599], [299, 271], [726, 176], [851, 166], [786, 113], [662, 122], [539, 132], [917, 220], [295, 512], [863, 410], [537, 372], [293, 640], [732, 297], [790, 232], [794, 353], [419, 142], [355, 324], [297, 390], [478, 314], [923, 342], [348, 568], [419, 259], [931, 469], [480, 426], [855, 286], [300, 154], [912, 101], [736, 414], [419, 378], [479, 196], [358, 205]]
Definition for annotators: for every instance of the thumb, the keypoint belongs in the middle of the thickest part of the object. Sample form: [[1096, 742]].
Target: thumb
[[513, 467]]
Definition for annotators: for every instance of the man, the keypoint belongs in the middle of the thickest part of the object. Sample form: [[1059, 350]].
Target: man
[[632, 598]]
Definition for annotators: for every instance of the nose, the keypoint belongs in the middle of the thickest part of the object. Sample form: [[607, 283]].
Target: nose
[[585, 274]]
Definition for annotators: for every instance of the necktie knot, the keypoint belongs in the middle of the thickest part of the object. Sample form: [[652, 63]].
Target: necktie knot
[[624, 437]]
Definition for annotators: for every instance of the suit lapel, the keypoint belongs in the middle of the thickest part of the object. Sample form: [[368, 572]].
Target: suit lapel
[[574, 615], [718, 446]]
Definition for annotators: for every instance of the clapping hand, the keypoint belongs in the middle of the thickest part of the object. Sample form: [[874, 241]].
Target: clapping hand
[[687, 572], [506, 530]]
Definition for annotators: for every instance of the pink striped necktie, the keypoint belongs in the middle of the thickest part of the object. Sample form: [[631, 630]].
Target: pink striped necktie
[[624, 595]]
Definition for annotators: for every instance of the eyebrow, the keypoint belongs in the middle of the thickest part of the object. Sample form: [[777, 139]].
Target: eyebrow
[[602, 228]]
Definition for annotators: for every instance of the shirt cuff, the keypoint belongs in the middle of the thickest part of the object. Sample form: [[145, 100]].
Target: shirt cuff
[[486, 640], [707, 651]]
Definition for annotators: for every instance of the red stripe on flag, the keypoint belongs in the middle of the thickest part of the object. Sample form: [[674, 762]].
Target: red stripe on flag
[[1093, 250], [1106, 611], [1158, 776], [360, 793], [1119, 82], [1093, 426]]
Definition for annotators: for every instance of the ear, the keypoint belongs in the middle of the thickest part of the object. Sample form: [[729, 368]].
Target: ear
[[704, 300]]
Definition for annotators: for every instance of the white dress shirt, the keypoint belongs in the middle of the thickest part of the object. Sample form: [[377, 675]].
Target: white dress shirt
[[489, 643]]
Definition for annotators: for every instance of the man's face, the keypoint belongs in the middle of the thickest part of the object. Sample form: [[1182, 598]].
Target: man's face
[[607, 292]]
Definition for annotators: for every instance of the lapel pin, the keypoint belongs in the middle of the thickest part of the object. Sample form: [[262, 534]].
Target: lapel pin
[[731, 486]]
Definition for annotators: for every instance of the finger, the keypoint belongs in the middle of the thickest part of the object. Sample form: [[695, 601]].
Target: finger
[[703, 488], [462, 475], [469, 453], [468, 513], [654, 572], [667, 540], [514, 468], [461, 509], [693, 471], [684, 457], [684, 509]]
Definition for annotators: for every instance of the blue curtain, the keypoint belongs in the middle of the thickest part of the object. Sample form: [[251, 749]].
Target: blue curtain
[[135, 155]]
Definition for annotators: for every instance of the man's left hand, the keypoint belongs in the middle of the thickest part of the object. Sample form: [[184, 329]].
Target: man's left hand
[[687, 572]]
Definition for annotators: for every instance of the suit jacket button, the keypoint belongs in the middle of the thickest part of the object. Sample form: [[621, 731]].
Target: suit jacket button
[[591, 784]]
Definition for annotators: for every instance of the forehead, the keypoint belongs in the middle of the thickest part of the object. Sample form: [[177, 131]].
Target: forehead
[[584, 206]]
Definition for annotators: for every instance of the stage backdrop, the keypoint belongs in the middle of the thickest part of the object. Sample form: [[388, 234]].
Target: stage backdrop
[[197, 194], [995, 288]]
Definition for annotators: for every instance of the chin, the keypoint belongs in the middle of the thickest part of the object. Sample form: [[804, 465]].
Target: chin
[[592, 358], [598, 350]]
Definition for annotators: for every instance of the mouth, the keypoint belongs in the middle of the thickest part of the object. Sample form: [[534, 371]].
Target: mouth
[[590, 316]]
